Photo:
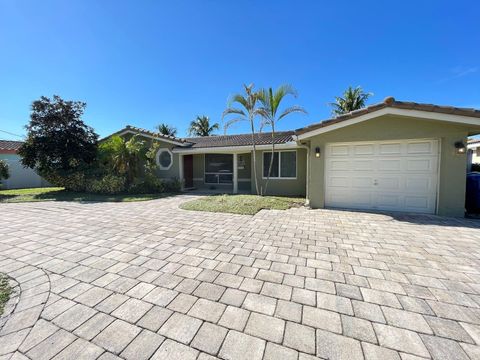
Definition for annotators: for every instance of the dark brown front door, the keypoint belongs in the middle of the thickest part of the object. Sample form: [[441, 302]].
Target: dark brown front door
[[188, 170]]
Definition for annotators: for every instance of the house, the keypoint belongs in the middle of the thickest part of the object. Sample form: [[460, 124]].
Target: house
[[394, 156], [20, 177], [473, 154]]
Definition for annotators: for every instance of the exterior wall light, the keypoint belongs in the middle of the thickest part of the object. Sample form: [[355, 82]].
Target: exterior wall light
[[460, 148], [317, 152]]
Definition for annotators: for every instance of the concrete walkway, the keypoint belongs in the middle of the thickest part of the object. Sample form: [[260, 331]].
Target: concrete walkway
[[148, 280]]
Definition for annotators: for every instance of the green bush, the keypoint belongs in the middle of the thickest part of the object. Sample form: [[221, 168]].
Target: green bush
[[154, 185], [73, 181], [172, 186], [109, 184]]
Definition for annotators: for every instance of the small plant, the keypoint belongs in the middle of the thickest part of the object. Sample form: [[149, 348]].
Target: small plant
[[5, 291]]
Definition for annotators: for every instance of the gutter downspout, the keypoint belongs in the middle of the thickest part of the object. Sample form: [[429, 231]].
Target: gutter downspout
[[307, 176]]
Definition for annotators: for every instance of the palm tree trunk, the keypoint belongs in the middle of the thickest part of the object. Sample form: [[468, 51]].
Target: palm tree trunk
[[254, 154], [271, 158]]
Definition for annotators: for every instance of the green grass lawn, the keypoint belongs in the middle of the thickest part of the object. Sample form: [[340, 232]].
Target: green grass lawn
[[242, 204], [5, 291], [60, 194]]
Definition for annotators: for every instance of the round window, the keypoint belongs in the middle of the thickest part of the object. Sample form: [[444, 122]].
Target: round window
[[164, 159]]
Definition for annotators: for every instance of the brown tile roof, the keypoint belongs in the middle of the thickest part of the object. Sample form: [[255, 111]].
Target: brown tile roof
[[10, 146], [147, 132], [392, 103], [281, 137], [240, 139]]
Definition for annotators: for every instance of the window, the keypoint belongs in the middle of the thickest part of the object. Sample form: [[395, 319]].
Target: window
[[218, 168], [164, 159], [284, 164]]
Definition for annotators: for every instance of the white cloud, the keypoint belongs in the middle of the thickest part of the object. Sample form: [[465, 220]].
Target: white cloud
[[458, 72]]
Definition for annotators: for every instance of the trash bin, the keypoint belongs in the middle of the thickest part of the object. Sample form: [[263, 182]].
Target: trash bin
[[472, 195]]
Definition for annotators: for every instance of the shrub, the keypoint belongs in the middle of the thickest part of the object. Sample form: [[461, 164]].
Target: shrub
[[148, 185], [73, 181], [172, 185], [109, 184]]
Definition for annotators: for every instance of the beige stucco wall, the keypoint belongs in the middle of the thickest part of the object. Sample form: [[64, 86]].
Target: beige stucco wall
[[451, 198], [284, 187]]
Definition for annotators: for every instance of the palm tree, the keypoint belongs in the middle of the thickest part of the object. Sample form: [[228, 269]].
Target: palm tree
[[248, 113], [201, 127], [271, 101], [166, 129], [353, 99], [123, 156]]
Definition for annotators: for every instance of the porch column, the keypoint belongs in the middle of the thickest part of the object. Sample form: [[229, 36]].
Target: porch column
[[180, 172], [235, 173]]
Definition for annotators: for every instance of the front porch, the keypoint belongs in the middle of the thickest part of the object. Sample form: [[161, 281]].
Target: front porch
[[216, 172]]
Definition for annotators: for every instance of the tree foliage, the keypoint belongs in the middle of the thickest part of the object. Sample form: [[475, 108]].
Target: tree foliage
[[244, 107], [166, 129], [352, 99], [123, 156], [201, 127], [58, 141], [4, 172]]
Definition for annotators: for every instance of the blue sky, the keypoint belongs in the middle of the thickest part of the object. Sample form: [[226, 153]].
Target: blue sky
[[146, 62]]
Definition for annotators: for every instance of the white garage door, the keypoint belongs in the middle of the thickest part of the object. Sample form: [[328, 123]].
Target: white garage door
[[385, 175]]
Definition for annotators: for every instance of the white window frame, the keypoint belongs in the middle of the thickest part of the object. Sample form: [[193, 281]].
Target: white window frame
[[157, 158], [280, 165]]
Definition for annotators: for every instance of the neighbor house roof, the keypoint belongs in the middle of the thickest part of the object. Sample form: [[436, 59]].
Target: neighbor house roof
[[390, 102], [281, 137], [9, 146], [155, 135], [474, 142]]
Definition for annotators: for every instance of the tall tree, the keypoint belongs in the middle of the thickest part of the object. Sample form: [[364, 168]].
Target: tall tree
[[58, 141], [352, 99], [166, 129], [249, 112], [201, 127], [270, 106]]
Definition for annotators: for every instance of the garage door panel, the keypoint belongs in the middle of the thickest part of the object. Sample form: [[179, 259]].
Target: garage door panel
[[339, 181], [358, 200], [419, 184], [363, 150], [396, 176], [363, 165], [422, 147], [340, 165], [388, 183], [339, 150], [417, 202], [390, 164], [422, 164], [359, 182], [390, 149], [389, 201]]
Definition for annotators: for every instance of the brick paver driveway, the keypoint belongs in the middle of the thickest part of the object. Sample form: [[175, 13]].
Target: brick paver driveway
[[148, 280]]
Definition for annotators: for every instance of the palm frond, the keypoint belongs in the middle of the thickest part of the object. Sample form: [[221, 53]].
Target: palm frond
[[292, 109], [231, 110]]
